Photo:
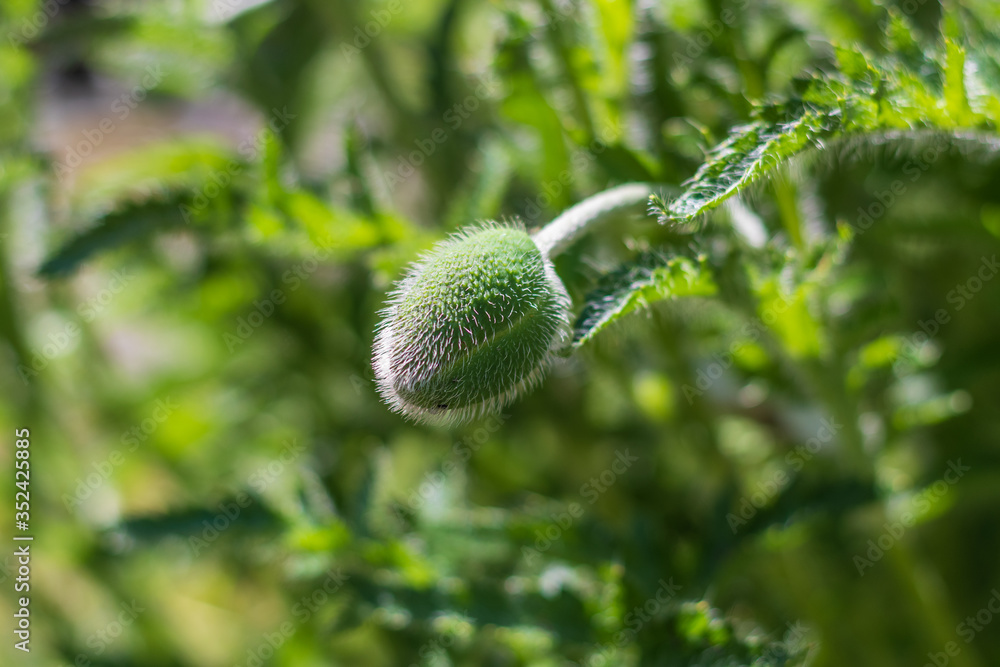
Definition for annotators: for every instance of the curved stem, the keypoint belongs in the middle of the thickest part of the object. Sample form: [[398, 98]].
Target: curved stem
[[575, 221]]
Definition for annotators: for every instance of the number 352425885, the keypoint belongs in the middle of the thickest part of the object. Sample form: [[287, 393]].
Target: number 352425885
[[22, 474]]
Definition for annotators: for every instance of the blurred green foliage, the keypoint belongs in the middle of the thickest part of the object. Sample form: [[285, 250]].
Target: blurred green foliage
[[788, 457]]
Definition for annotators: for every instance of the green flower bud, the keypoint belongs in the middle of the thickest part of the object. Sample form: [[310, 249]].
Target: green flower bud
[[476, 321], [472, 325]]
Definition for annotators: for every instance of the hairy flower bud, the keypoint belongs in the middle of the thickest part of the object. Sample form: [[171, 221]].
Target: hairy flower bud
[[471, 325]]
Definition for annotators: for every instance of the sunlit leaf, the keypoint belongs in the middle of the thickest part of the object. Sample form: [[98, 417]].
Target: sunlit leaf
[[652, 278], [866, 95]]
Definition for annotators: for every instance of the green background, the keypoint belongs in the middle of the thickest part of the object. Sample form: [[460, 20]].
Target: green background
[[214, 480]]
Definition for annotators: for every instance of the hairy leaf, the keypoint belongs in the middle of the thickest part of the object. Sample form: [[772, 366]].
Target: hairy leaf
[[654, 277], [952, 88], [749, 152], [132, 221]]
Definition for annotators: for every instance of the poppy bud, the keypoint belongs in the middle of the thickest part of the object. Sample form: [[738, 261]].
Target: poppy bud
[[471, 325]]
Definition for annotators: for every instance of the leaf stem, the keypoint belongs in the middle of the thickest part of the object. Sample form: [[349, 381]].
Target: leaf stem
[[786, 195], [575, 221]]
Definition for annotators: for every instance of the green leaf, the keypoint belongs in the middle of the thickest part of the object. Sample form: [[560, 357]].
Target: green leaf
[[274, 71], [190, 164], [133, 221], [948, 91], [329, 226], [616, 26], [983, 69], [750, 152], [955, 95], [254, 519], [653, 277], [795, 326]]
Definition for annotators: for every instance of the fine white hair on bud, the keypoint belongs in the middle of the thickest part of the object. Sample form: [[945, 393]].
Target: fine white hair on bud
[[472, 325], [475, 322]]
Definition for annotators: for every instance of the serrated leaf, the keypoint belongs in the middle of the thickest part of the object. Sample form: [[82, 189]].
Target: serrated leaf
[[133, 221], [654, 277], [855, 65], [899, 36], [955, 95], [749, 152], [948, 91]]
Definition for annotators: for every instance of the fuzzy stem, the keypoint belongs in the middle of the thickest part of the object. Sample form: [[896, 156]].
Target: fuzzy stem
[[575, 221]]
